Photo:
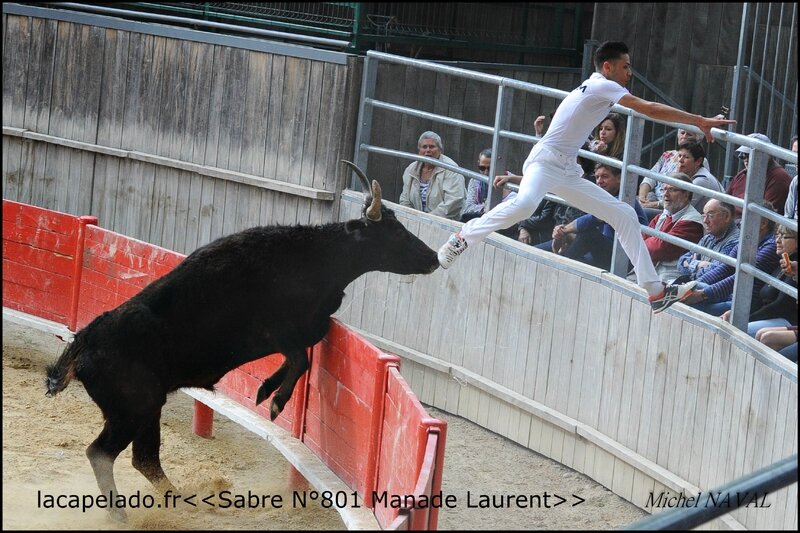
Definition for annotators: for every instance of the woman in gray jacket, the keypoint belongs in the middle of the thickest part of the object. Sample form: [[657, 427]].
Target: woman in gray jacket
[[430, 188]]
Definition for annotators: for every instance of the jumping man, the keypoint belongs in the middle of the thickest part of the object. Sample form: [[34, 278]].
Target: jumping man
[[552, 166]]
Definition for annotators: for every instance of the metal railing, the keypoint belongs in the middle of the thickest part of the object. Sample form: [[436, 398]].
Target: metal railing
[[707, 506], [752, 211]]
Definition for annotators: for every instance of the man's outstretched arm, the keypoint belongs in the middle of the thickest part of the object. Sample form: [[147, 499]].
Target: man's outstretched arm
[[665, 112]]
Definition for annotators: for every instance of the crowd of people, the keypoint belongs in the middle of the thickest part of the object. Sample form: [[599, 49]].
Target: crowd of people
[[566, 230]]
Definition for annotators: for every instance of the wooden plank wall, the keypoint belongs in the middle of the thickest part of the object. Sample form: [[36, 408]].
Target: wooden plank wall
[[569, 361], [218, 106]]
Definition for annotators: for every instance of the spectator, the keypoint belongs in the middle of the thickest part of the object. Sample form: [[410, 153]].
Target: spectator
[[609, 137], [650, 194], [722, 235], [538, 228], [714, 289], [430, 188], [791, 168], [777, 186], [477, 190], [790, 209], [691, 157], [777, 308], [678, 219], [782, 339], [588, 239]]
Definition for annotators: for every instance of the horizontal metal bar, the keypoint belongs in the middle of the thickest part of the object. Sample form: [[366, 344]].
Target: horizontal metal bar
[[769, 280], [176, 32], [430, 116], [766, 480], [200, 22]]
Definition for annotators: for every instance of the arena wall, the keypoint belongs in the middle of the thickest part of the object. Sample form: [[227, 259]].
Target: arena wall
[[352, 409], [569, 361]]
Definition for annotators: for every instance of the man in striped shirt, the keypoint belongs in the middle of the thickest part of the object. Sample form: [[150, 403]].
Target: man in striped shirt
[[714, 290]]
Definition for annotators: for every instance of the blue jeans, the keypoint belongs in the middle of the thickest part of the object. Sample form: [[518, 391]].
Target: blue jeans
[[753, 327]]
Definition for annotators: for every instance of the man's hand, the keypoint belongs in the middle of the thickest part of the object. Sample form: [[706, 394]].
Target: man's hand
[[694, 297], [726, 316], [705, 124], [538, 125], [524, 236]]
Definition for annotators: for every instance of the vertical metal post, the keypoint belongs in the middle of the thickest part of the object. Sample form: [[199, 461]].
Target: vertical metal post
[[737, 79], [502, 121], [628, 187], [587, 65], [749, 238], [364, 126]]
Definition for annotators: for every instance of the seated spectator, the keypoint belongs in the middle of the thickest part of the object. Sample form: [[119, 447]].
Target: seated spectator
[[782, 339], [478, 191], [722, 235], [776, 189], [691, 157], [790, 209], [714, 290], [791, 168], [538, 228], [678, 219], [432, 189], [650, 194], [609, 137], [588, 239], [777, 308]]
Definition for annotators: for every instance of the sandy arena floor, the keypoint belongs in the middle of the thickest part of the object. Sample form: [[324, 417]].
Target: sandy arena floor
[[44, 440]]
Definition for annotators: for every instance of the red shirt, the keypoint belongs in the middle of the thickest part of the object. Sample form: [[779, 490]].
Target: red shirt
[[776, 190]]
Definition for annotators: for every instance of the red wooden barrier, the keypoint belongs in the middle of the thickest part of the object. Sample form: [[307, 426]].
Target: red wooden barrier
[[353, 409]]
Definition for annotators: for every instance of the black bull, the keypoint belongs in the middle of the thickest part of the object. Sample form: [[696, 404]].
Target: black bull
[[260, 291]]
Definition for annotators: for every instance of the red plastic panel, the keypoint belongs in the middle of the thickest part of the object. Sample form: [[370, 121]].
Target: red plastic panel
[[39, 249]]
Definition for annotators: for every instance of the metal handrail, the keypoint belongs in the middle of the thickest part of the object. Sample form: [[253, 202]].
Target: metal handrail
[[704, 507], [740, 308]]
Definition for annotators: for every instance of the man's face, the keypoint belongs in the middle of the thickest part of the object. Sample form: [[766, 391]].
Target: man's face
[[675, 199], [619, 70], [607, 181], [715, 219], [688, 164]]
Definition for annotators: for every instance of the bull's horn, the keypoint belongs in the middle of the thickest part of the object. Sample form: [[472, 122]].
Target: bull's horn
[[360, 174], [374, 201], [374, 209]]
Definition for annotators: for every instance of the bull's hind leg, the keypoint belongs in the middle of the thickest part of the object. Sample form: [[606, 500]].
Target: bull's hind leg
[[146, 455], [297, 361], [102, 453], [271, 383]]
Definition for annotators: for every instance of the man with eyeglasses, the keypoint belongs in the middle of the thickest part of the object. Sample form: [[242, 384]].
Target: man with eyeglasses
[[713, 291], [776, 189], [679, 219], [722, 236]]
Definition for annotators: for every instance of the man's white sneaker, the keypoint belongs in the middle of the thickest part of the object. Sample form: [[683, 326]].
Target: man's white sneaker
[[670, 295], [451, 250]]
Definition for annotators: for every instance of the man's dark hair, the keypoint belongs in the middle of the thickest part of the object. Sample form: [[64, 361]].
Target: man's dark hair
[[609, 51], [617, 172], [694, 148]]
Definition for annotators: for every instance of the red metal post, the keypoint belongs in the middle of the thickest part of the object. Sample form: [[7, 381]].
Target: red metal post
[[202, 420], [77, 269]]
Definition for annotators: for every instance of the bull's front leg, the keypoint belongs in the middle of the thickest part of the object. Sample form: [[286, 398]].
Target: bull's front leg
[[271, 383], [296, 364]]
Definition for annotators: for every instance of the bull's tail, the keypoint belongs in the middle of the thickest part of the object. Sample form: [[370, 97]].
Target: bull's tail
[[61, 373]]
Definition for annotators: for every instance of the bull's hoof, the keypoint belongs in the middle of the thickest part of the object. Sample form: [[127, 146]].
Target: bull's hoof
[[274, 409], [262, 394]]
